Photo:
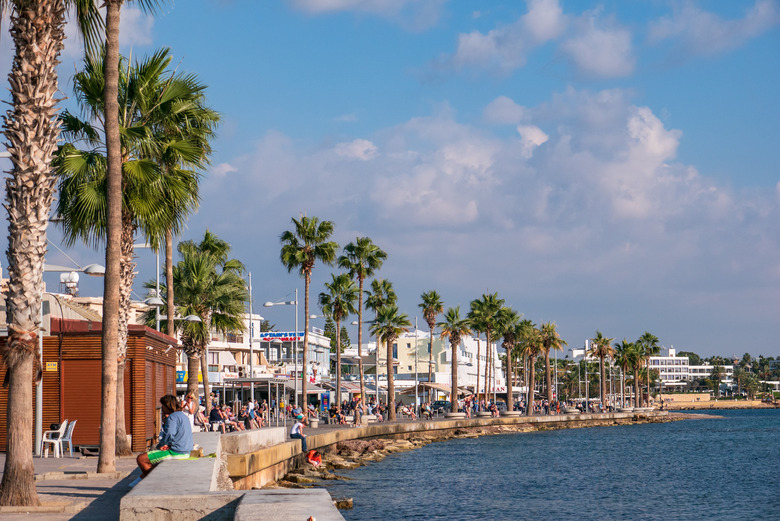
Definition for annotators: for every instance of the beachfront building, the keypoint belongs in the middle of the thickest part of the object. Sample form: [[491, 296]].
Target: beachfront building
[[676, 372]]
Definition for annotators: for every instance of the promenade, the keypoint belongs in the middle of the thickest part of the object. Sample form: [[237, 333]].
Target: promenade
[[70, 489]]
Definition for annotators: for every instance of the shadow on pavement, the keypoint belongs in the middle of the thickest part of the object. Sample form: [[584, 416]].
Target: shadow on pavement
[[106, 506]]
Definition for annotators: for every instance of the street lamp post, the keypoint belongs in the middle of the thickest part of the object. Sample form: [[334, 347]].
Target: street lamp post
[[155, 301], [295, 353], [416, 384]]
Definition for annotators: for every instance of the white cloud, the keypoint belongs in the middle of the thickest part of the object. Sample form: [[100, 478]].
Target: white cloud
[[531, 138], [503, 110], [135, 27], [702, 32], [413, 14], [361, 149], [223, 169], [600, 49], [506, 48]]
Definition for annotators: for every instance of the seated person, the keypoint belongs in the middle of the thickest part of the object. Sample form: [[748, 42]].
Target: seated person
[[426, 411], [216, 419], [175, 438]]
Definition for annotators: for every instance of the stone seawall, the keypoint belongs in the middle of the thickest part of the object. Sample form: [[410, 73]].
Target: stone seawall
[[257, 468]]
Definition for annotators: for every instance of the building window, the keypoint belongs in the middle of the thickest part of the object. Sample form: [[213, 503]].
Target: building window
[[395, 350]]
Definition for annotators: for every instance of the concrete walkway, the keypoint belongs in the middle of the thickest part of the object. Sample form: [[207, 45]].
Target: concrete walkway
[[69, 488]]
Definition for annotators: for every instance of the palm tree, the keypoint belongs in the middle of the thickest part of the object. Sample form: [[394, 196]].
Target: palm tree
[[301, 249], [159, 109], [337, 304], [31, 130], [551, 340], [715, 377], [648, 345], [601, 347], [381, 295], [209, 285], [635, 361], [387, 327], [624, 359], [533, 346], [485, 314], [507, 326], [431, 305], [476, 316], [112, 279], [453, 327], [362, 259]]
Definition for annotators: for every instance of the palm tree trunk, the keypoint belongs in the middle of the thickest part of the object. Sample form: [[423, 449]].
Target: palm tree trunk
[[636, 387], [31, 129], [531, 384], [509, 378], [648, 382], [107, 458], [360, 347], [204, 367], [390, 381], [170, 310], [548, 376], [430, 357], [338, 362], [193, 366], [602, 382], [127, 276], [304, 362], [454, 370], [487, 364]]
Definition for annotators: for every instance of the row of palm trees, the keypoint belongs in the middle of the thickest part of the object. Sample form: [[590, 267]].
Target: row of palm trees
[[630, 357], [32, 128]]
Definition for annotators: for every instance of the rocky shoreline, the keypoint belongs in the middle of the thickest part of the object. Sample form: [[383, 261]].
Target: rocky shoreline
[[346, 455]]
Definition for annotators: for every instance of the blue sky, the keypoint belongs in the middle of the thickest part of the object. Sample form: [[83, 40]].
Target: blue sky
[[605, 165]]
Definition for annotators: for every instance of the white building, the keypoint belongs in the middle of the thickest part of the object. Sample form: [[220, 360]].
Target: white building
[[676, 371]]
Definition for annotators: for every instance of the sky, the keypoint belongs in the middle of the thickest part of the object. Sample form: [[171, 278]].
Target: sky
[[606, 165]]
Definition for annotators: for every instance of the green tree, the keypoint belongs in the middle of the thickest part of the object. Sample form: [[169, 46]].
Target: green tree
[[624, 358], [507, 327], [331, 333], [601, 347], [150, 98], [551, 340], [31, 130], [533, 346], [207, 284], [338, 302], [432, 306], [454, 328], [302, 247], [483, 317], [388, 326], [362, 259], [648, 345], [693, 358], [716, 376], [345, 342], [381, 295]]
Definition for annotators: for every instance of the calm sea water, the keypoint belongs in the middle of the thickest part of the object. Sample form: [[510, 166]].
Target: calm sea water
[[713, 469]]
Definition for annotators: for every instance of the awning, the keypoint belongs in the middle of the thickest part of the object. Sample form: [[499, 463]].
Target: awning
[[310, 387], [226, 358], [424, 386]]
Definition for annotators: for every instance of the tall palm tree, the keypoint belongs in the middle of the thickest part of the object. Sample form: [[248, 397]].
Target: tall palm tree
[[362, 259], [31, 130], [432, 306], [112, 279], [209, 285], [454, 328], [381, 295], [635, 361], [648, 344], [159, 109], [388, 326], [302, 247], [491, 305], [533, 342], [337, 304], [551, 340], [623, 359], [477, 320], [601, 347], [507, 326]]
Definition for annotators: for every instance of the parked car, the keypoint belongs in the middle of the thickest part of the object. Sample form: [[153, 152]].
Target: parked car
[[441, 406]]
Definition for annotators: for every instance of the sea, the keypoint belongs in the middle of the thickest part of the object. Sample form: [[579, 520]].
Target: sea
[[725, 468]]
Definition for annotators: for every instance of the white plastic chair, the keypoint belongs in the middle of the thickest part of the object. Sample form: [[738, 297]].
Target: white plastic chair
[[68, 438], [53, 438]]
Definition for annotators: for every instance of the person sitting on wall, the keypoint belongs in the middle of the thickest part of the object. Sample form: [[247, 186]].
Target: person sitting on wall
[[175, 438], [216, 420]]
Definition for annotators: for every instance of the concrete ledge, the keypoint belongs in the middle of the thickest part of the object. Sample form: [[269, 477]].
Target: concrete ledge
[[174, 507], [287, 505], [249, 441]]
